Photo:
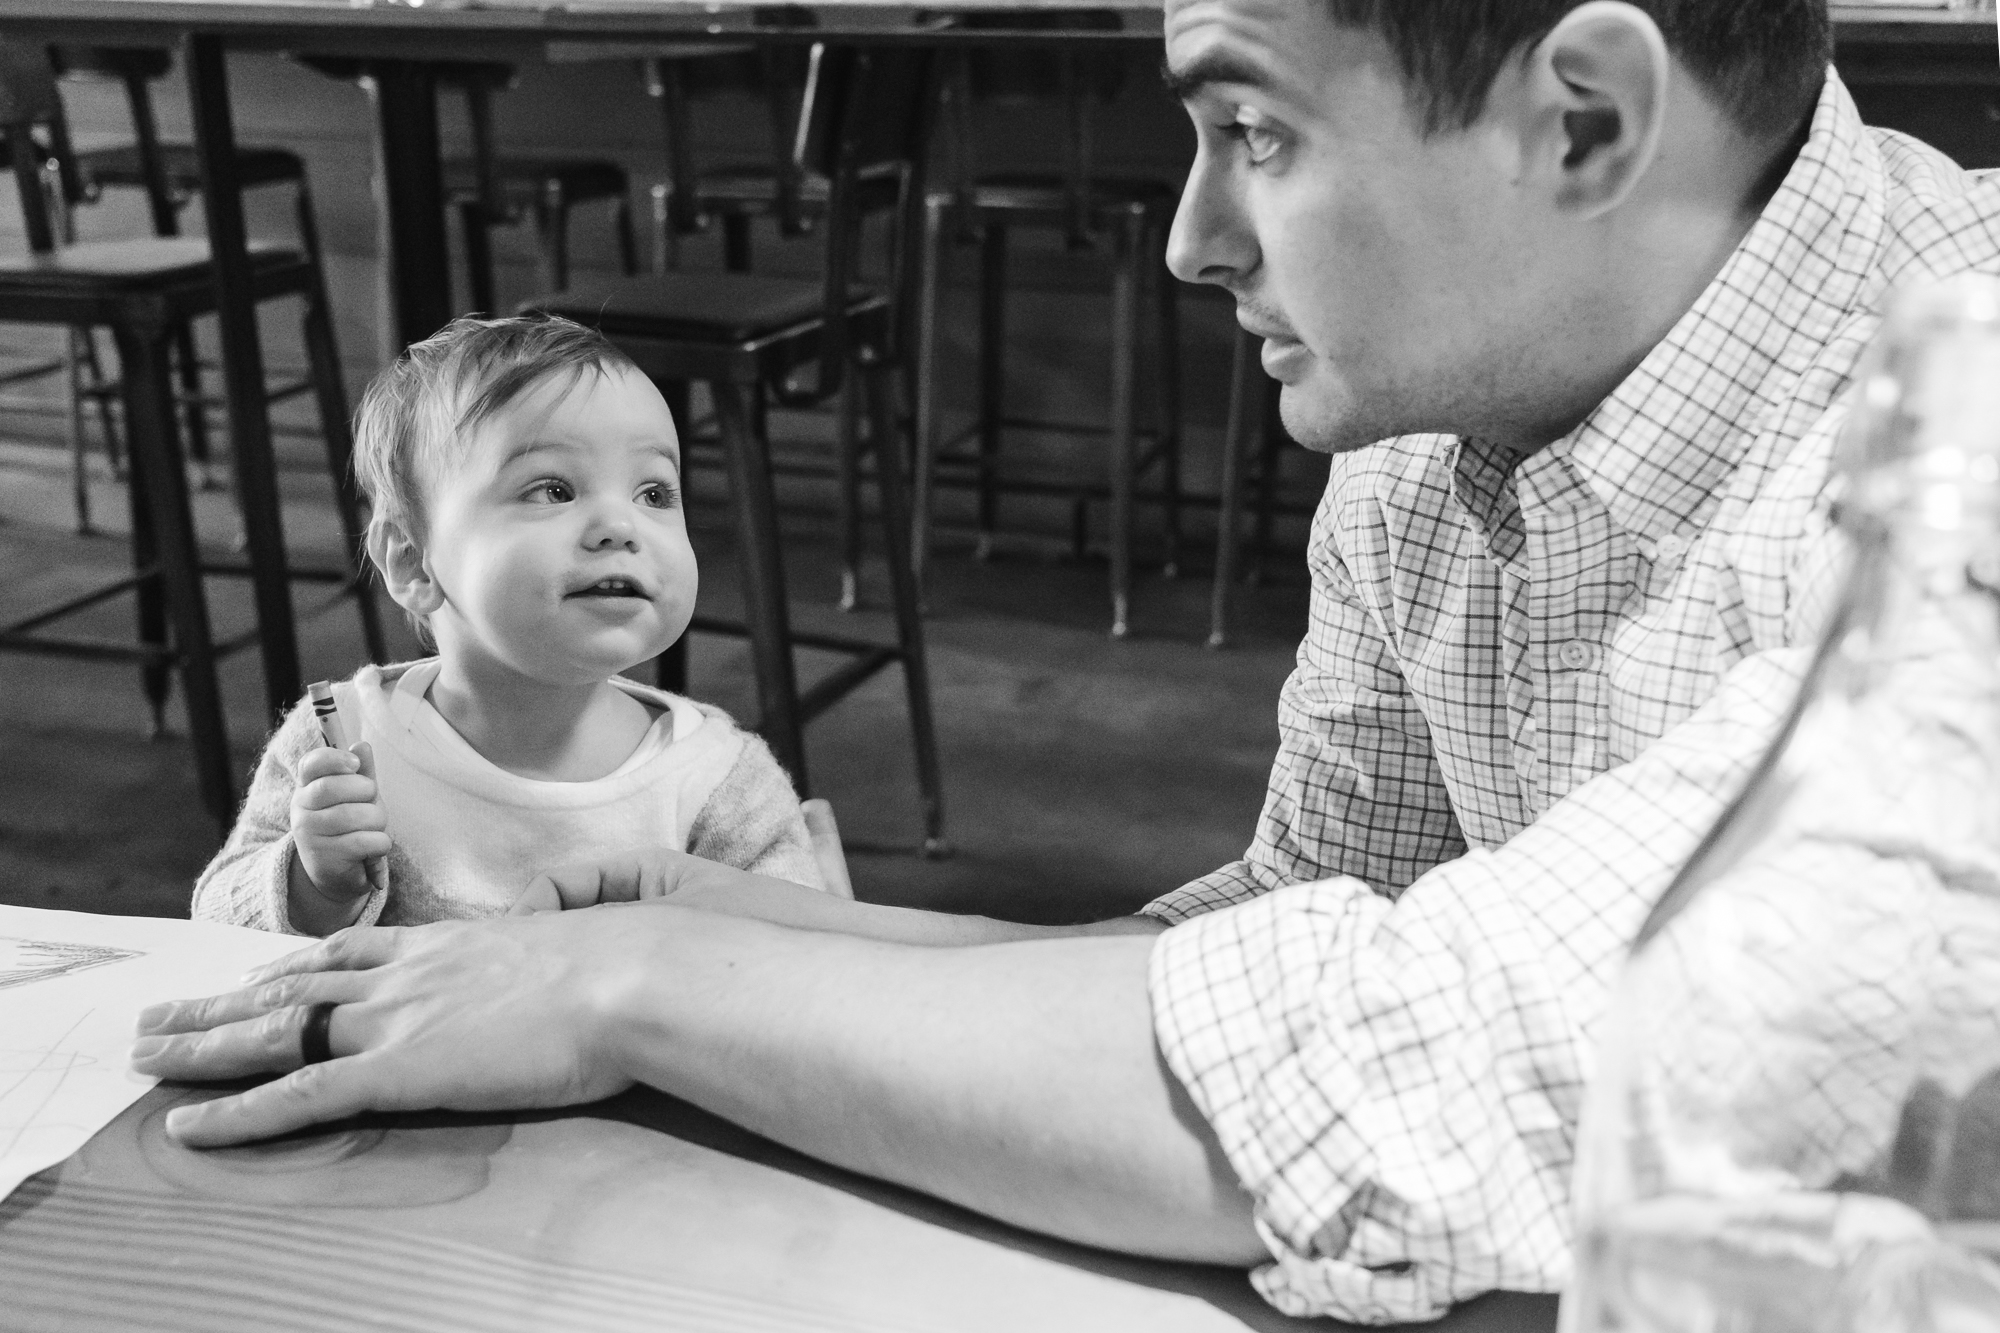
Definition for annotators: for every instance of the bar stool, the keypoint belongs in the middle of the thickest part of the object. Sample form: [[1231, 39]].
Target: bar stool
[[1254, 434], [142, 291], [490, 189], [169, 174], [746, 335], [781, 188], [1129, 218]]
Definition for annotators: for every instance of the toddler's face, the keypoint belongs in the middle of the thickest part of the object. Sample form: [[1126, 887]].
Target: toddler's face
[[559, 541]]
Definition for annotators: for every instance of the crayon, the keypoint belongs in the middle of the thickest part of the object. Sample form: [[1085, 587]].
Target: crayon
[[327, 710]]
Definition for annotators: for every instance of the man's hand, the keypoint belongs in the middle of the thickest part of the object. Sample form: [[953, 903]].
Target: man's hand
[[648, 873], [337, 822], [456, 1015]]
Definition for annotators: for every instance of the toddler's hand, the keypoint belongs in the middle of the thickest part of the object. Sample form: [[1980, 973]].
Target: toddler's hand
[[337, 823]]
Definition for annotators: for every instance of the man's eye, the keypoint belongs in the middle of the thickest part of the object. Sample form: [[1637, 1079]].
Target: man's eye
[[549, 491], [660, 496], [1259, 142]]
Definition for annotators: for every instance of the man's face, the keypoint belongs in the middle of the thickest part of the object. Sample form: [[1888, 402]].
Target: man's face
[[1373, 260]]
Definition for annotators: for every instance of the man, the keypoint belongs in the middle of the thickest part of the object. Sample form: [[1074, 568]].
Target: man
[[1601, 270]]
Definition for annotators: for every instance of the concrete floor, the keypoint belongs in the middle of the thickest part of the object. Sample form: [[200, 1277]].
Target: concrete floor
[[1082, 775]]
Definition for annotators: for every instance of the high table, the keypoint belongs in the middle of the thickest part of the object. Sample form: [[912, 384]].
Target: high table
[[637, 1213], [641, 1212]]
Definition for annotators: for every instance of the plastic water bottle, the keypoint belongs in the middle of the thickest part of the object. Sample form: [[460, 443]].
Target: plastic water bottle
[[1795, 1122]]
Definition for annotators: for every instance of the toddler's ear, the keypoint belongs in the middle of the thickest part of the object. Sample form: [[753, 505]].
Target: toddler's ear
[[405, 572]]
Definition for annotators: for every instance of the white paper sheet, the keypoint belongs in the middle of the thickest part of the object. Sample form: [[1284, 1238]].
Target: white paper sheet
[[71, 986]]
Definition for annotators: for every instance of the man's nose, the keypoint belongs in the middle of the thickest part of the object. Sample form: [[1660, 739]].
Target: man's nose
[[1211, 240]]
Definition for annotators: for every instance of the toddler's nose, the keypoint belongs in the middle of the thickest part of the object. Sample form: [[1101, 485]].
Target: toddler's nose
[[609, 529]]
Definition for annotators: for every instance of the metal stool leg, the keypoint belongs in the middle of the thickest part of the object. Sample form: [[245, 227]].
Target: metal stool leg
[[156, 676], [992, 375], [1167, 386], [149, 412], [1124, 355], [552, 230], [884, 439], [331, 396], [932, 260], [628, 241], [736, 243], [670, 669], [1271, 443], [765, 609], [1246, 404], [194, 412], [847, 468], [478, 258], [73, 407]]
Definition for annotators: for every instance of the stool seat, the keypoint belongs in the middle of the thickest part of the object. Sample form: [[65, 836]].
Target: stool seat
[[753, 186], [706, 307], [119, 166], [1042, 193], [130, 267], [522, 179]]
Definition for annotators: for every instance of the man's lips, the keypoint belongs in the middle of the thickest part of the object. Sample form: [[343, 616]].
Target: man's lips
[[1272, 333]]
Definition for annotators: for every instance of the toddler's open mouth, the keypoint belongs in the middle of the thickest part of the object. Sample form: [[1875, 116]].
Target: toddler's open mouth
[[614, 585]]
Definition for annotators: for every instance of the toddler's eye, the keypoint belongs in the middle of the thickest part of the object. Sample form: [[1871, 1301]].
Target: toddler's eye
[[659, 495], [549, 491]]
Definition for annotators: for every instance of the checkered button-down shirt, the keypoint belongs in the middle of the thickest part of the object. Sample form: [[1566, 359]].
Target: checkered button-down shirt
[[1525, 694]]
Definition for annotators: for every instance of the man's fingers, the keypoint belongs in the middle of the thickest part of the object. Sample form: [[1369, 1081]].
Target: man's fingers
[[290, 991], [352, 950], [540, 896], [266, 1042], [310, 1095], [586, 884]]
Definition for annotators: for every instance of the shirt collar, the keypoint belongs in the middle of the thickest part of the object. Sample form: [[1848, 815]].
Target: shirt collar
[[1655, 452], [1658, 448]]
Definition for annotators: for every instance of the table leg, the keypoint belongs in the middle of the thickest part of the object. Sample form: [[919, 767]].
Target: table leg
[[243, 370], [406, 133]]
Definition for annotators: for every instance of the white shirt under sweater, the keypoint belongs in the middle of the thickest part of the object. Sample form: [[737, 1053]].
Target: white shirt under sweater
[[469, 836]]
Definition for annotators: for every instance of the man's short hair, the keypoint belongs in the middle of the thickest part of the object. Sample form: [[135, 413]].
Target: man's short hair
[[1763, 60], [417, 416]]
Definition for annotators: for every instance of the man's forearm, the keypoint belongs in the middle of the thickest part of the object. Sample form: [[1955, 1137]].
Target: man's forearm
[[1022, 1082], [806, 909]]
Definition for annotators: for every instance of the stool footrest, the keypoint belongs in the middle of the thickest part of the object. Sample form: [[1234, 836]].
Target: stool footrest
[[100, 650], [869, 659], [102, 593]]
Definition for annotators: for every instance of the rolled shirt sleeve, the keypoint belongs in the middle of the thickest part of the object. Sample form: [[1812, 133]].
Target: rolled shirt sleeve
[[1397, 1081]]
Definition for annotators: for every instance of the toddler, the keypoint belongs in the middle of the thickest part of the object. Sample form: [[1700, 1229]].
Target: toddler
[[525, 482]]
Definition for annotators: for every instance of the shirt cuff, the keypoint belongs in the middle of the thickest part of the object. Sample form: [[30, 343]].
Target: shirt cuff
[[278, 891], [1237, 1019], [1232, 884]]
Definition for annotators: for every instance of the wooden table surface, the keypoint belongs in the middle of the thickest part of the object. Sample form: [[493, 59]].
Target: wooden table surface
[[637, 1213]]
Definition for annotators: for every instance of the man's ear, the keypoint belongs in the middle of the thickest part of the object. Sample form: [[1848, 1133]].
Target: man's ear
[[1599, 86], [406, 573]]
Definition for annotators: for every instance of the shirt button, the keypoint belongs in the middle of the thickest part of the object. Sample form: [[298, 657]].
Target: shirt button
[[1577, 654], [1671, 548]]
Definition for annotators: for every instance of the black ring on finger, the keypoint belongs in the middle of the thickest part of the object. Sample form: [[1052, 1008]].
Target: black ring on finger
[[316, 1035]]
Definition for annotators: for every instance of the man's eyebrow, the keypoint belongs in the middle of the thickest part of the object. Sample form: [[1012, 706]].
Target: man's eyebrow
[[1206, 68]]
